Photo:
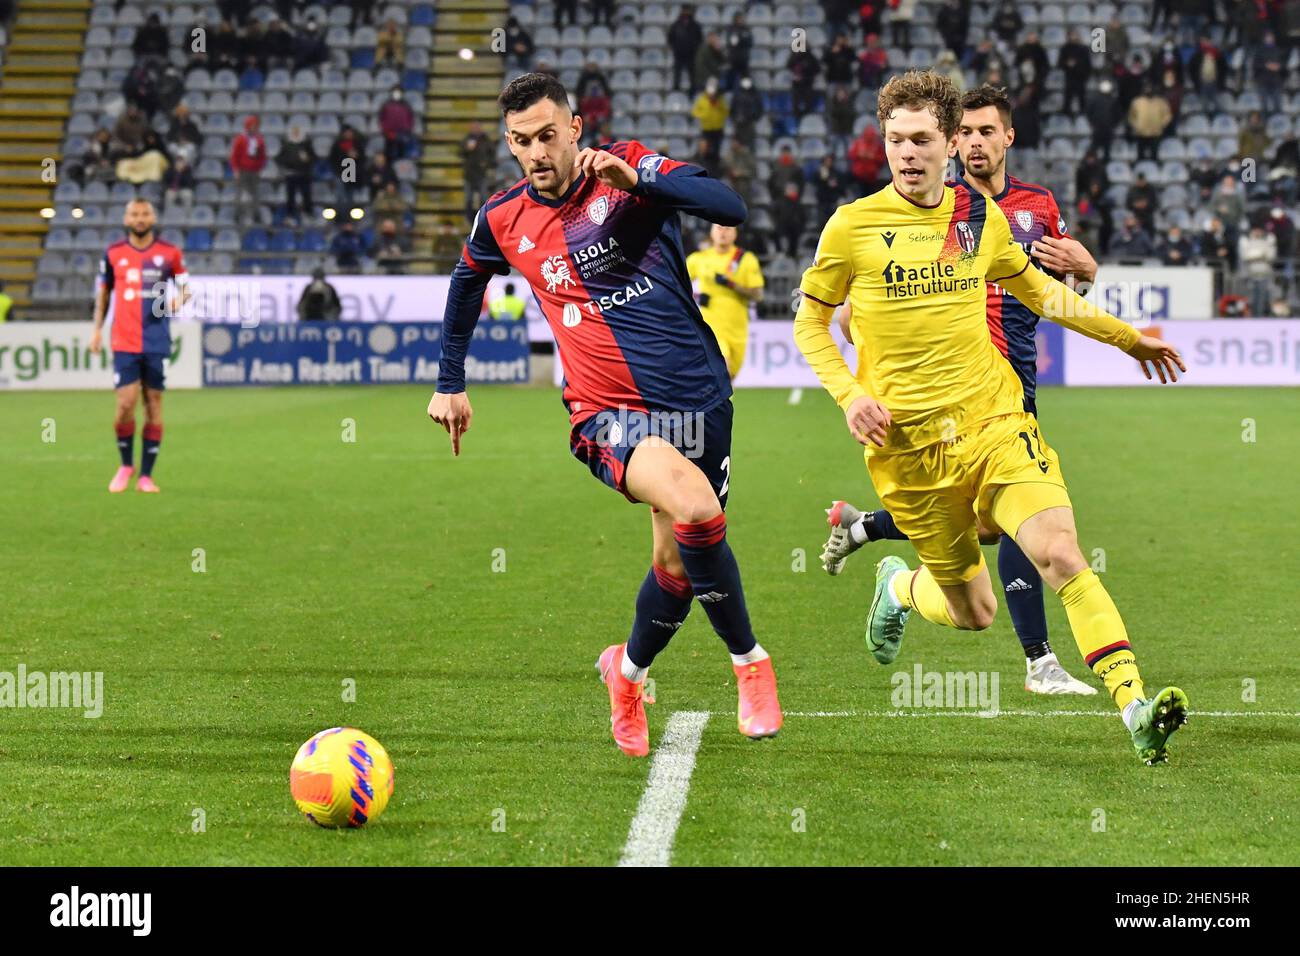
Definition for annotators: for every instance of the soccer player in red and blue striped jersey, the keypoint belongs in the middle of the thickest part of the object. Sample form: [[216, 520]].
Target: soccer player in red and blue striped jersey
[[596, 234], [136, 272], [983, 138]]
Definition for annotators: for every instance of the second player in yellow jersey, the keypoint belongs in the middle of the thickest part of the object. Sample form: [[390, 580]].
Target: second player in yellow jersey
[[728, 281]]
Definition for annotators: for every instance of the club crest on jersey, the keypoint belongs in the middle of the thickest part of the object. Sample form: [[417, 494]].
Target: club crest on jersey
[[965, 236], [1024, 219], [649, 163], [598, 210], [555, 272], [158, 260]]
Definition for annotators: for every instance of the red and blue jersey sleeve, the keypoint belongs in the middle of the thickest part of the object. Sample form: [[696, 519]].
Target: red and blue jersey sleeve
[[1032, 213]]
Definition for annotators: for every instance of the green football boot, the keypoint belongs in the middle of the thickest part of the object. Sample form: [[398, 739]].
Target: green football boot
[[1157, 719], [887, 617]]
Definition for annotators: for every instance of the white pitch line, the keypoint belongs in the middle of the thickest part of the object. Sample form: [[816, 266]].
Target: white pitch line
[[650, 837], [1025, 713]]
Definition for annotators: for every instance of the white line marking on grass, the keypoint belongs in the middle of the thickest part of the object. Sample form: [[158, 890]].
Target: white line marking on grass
[[650, 837], [1025, 713]]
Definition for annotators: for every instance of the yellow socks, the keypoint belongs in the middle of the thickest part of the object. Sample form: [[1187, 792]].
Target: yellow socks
[[918, 590], [1099, 632]]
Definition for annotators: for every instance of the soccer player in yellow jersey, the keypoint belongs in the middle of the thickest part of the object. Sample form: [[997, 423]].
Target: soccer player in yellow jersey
[[949, 445], [728, 281]]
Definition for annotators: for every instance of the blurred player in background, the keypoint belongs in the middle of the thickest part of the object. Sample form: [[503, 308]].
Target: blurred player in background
[[596, 234], [983, 138], [949, 445], [136, 272], [728, 283]]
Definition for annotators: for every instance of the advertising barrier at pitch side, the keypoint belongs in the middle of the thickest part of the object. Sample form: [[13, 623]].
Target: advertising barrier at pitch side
[[357, 353]]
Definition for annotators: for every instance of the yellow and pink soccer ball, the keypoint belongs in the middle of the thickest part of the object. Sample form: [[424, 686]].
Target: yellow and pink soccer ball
[[341, 778]]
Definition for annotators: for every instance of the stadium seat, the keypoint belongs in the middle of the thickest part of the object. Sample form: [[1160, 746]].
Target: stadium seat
[[198, 240]]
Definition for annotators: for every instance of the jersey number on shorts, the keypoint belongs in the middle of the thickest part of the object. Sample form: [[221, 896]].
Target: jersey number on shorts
[[726, 475], [1042, 465]]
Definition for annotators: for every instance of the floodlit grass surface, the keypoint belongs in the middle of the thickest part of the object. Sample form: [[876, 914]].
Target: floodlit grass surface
[[376, 561]]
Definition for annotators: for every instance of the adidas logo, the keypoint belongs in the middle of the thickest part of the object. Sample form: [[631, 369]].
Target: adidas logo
[[525, 244], [670, 625], [1019, 585], [713, 597]]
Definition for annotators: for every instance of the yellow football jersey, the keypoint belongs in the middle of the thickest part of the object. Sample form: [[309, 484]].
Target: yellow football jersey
[[727, 312], [915, 280]]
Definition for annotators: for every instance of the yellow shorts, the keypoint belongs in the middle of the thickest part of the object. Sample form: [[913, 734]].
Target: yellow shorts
[[1001, 474], [733, 353]]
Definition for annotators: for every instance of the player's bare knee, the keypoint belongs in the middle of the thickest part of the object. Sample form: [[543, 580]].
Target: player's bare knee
[[976, 617], [1061, 557], [693, 505]]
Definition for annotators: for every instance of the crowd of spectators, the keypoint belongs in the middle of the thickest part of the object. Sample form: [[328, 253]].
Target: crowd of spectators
[[1136, 92], [156, 138]]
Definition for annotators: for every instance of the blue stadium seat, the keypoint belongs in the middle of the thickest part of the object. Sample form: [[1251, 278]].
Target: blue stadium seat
[[422, 16], [284, 240], [415, 80], [198, 240], [256, 240], [251, 79], [312, 240]]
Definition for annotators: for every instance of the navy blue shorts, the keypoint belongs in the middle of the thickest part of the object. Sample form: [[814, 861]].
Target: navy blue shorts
[[606, 440], [129, 367]]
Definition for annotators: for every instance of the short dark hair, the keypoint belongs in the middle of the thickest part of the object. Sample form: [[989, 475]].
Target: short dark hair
[[989, 95], [510, 288], [522, 92]]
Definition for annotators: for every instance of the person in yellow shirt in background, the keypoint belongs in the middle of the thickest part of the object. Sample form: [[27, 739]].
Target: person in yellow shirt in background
[[6, 303], [508, 306], [711, 110], [727, 282]]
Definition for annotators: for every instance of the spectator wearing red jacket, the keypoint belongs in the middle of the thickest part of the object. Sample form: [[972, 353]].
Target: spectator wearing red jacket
[[866, 158], [397, 123], [247, 160]]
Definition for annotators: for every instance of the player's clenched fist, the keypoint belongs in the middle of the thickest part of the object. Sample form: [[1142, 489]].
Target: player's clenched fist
[[1162, 356], [453, 413], [606, 167], [868, 420], [96, 341]]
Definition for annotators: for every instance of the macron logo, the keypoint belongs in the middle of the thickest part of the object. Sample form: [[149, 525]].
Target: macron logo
[[1019, 585], [133, 910], [525, 244]]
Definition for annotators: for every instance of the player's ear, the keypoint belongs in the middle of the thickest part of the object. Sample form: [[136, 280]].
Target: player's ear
[[575, 127], [1011, 136]]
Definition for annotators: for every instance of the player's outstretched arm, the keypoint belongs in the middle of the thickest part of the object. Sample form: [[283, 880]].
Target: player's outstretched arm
[[450, 406], [1054, 300], [682, 186]]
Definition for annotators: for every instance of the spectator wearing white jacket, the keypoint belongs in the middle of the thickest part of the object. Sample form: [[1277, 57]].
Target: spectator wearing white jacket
[[1257, 251]]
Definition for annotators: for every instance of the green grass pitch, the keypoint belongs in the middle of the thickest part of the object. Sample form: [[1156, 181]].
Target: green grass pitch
[[376, 561]]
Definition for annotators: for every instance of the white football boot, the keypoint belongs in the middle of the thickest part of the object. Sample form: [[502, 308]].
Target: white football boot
[[840, 516], [1047, 676]]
